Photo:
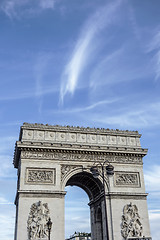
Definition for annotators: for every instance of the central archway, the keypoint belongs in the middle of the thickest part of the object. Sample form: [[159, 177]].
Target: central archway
[[94, 189]]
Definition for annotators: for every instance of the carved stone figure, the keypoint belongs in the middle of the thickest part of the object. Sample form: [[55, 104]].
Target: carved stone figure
[[131, 225], [37, 221]]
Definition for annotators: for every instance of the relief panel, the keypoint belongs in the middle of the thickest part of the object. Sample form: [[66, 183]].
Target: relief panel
[[60, 136], [121, 140], [102, 139], [39, 135], [40, 176], [72, 137], [131, 141], [28, 134], [112, 140], [91, 138], [131, 226], [50, 136], [126, 179], [82, 138], [37, 221]]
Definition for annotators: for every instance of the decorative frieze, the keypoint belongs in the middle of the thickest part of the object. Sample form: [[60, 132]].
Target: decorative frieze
[[72, 156], [126, 179], [131, 225], [37, 221], [40, 176]]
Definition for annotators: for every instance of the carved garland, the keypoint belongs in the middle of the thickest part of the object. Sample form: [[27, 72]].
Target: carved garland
[[131, 225], [37, 221]]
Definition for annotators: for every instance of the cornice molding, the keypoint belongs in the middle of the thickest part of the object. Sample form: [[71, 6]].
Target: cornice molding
[[51, 147], [79, 129], [41, 153]]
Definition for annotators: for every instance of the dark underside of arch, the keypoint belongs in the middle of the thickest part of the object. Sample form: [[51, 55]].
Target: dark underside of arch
[[84, 180]]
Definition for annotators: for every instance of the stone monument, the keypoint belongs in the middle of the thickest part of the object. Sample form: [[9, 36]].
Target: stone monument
[[48, 158]]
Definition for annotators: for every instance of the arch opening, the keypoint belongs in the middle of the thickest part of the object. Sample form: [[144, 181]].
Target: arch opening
[[94, 189]]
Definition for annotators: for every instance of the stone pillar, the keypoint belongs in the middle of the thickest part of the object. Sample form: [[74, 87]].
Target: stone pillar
[[39, 196]]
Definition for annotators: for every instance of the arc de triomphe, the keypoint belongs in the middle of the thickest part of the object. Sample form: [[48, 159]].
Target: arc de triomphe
[[48, 158]]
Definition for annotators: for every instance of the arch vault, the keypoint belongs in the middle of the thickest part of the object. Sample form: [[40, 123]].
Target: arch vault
[[48, 158]]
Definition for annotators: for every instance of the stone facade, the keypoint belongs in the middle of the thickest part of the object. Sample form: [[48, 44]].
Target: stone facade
[[48, 158]]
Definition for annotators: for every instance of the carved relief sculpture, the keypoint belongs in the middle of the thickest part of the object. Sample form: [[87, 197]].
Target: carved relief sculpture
[[126, 179], [40, 176], [37, 221], [131, 225]]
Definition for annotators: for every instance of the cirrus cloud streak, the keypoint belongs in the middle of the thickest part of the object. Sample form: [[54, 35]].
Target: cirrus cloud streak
[[103, 17]]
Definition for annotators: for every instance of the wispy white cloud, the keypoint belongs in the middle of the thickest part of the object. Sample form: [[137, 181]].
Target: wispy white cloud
[[97, 22], [47, 4], [7, 223], [152, 179], [118, 66], [7, 143], [133, 22], [40, 69], [4, 201], [17, 8], [89, 107], [154, 47], [141, 115], [7, 170], [154, 216], [103, 72], [32, 93], [77, 218], [7, 147]]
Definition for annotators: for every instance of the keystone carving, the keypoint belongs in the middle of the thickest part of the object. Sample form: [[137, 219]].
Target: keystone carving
[[37, 221], [131, 225], [127, 179]]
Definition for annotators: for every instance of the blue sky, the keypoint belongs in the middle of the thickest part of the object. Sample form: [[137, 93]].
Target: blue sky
[[83, 63]]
